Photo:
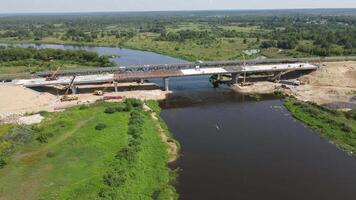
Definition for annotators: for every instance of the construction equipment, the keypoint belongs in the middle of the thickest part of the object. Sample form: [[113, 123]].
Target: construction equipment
[[54, 75], [66, 97], [101, 92]]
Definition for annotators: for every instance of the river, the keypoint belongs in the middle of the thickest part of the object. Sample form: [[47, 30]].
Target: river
[[238, 147]]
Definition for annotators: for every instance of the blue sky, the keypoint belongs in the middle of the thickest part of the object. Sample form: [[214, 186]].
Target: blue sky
[[8, 6]]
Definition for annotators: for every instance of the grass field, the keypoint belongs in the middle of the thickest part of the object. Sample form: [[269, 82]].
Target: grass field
[[79, 158], [338, 127]]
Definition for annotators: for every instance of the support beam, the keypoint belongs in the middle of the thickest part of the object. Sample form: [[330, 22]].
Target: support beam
[[235, 78], [74, 89], [166, 84], [115, 86]]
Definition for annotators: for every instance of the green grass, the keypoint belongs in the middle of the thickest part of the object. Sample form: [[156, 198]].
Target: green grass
[[338, 127], [71, 165]]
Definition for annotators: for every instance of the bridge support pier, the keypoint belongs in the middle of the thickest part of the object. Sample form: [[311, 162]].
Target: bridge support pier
[[235, 78], [115, 86], [166, 84], [74, 89]]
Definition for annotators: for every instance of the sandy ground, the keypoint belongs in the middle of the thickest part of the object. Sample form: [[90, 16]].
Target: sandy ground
[[263, 87], [333, 84], [16, 101]]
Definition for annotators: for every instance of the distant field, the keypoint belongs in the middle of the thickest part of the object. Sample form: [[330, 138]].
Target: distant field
[[86, 153], [205, 35]]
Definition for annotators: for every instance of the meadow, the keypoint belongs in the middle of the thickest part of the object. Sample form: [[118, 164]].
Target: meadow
[[101, 151]]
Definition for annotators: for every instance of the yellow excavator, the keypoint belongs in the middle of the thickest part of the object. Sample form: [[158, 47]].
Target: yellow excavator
[[66, 97]]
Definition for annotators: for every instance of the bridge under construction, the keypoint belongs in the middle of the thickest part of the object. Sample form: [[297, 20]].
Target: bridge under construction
[[127, 75], [139, 73]]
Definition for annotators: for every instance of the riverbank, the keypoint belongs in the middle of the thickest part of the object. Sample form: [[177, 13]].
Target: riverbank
[[88, 152], [336, 126], [333, 85]]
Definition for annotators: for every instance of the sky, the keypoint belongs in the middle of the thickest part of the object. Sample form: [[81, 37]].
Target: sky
[[10, 6]]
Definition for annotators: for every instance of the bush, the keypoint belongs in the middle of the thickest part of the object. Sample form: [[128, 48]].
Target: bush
[[115, 178], [19, 135], [100, 126], [345, 128], [135, 103], [108, 193], [51, 154], [127, 154], [2, 162], [351, 114], [120, 108], [42, 138], [110, 110]]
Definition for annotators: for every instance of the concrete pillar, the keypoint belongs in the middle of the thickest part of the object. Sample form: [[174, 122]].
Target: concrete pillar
[[166, 84], [74, 89], [115, 86], [235, 78]]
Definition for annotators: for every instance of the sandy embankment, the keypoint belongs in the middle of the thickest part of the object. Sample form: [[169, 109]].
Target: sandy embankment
[[17, 100], [332, 83]]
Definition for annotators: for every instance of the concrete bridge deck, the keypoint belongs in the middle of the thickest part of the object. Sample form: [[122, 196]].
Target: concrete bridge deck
[[123, 76]]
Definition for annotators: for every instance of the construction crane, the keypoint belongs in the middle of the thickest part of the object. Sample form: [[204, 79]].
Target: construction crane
[[66, 97], [54, 75]]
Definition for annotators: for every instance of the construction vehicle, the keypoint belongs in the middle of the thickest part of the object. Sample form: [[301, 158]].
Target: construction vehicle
[[100, 92], [54, 75], [66, 97]]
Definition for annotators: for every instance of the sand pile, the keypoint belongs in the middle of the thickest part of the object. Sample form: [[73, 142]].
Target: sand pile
[[20, 99]]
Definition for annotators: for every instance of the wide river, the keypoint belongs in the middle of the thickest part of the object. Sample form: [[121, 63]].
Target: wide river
[[236, 147]]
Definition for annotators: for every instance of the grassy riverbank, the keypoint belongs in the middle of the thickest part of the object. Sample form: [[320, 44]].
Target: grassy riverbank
[[338, 127], [103, 151]]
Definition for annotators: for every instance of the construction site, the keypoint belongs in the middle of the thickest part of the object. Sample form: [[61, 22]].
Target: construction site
[[329, 83]]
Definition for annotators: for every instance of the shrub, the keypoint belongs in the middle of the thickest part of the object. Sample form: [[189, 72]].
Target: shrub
[[345, 128], [278, 93], [126, 153], [110, 110], [42, 138], [100, 126], [19, 135], [2, 162], [50, 154], [135, 103], [120, 108], [128, 107], [108, 193], [115, 178], [351, 114]]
